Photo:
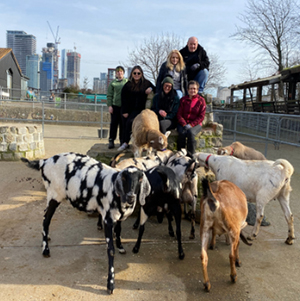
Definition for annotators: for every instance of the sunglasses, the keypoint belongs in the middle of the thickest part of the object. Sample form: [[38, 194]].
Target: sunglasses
[[136, 73]]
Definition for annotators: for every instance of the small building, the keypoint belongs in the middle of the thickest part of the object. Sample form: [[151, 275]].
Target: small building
[[263, 94], [12, 80]]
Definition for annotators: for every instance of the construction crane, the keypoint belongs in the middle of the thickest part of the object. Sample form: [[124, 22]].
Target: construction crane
[[56, 55]]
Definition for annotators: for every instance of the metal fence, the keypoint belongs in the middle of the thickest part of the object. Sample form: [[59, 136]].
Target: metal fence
[[271, 128], [58, 112]]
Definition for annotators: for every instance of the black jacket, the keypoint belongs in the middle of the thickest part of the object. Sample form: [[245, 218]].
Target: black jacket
[[191, 58], [132, 100]]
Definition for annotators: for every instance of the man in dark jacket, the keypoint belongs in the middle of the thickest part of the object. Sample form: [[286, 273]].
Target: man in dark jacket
[[196, 62]]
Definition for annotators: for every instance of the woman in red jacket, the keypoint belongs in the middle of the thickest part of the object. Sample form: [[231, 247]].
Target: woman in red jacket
[[190, 116]]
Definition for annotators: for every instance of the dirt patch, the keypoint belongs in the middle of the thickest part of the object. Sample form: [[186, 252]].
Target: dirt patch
[[77, 268]]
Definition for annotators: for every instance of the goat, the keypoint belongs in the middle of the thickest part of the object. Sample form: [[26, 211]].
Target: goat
[[184, 167], [260, 180], [146, 133], [91, 185], [223, 210], [143, 163], [241, 151], [165, 192]]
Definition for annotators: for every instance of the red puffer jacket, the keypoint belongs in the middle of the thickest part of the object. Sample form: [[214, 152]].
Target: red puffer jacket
[[191, 111]]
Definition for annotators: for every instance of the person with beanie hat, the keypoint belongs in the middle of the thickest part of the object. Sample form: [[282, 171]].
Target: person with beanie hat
[[165, 105], [114, 106]]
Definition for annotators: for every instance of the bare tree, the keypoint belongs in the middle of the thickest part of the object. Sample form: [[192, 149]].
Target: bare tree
[[216, 73], [271, 26], [153, 52]]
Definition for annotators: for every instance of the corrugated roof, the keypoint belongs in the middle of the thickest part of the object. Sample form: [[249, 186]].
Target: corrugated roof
[[4, 52]]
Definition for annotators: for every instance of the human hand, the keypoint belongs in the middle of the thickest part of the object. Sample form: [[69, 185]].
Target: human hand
[[110, 110], [187, 126], [148, 91], [195, 66], [125, 115], [162, 113]]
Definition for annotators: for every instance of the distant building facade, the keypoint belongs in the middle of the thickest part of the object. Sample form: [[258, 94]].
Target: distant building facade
[[111, 75], [46, 68], [33, 70], [96, 84], [73, 68], [64, 62], [22, 45]]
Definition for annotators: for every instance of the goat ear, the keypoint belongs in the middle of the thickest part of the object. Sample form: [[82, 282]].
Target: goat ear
[[118, 185], [212, 201], [145, 190], [161, 140], [167, 134]]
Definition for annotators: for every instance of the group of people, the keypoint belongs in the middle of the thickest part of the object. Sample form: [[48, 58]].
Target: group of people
[[178, 100]]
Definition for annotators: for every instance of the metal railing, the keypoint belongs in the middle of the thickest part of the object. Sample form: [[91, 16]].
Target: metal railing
[[275, 128], [59, 112]]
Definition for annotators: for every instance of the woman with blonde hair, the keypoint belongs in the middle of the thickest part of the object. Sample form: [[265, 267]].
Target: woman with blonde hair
[[174, 67]]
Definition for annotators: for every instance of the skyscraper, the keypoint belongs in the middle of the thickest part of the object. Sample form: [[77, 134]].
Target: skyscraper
[[33, 70], [64, 62], [46, 67], [73, 68], [22, 45]]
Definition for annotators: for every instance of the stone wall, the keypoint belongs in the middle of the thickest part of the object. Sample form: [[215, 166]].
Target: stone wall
[[21, 140]]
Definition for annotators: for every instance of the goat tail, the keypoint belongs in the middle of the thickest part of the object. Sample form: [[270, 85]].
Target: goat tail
[[35, 164], [287, 166], [244, 239], [113, 162]]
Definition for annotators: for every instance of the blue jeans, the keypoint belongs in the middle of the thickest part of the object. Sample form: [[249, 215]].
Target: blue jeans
[[201, 77]]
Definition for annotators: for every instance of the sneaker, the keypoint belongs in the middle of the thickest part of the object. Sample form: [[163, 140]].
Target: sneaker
[[123, 147], [111, 144]]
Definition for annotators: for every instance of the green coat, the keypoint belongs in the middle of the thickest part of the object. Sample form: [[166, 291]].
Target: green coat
[[114, 92]]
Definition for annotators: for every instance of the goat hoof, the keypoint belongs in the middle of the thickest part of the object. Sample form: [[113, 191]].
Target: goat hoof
[[289, 241], [207, 286], [233, 278], [212, 247], [192, 236], [122, 251], [251, 238], [238, 263], [99, 227], [46, 253], [181, 256], [110, 291], [135, 226], [135, 250], [171, 233]]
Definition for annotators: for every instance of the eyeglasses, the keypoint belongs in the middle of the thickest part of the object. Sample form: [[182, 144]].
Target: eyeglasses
[[136, 73]]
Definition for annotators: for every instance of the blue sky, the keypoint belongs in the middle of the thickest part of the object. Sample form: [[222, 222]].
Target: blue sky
[[104, 32]]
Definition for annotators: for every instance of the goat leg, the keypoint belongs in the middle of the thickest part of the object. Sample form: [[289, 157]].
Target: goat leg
[[143, 219], [176, 210], [170, 227], [53, 204], [117, 231], [108, 228], [99, 223]]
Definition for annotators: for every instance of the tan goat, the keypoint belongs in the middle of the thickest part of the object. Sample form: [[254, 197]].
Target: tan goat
[[223, 211], [146, 133], [241, 151]]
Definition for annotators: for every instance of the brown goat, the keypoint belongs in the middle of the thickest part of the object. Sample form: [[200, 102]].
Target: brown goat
[[146, 133], [223, 210], [241, 151]]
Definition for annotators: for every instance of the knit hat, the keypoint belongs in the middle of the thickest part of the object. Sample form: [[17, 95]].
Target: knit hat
[[120, 67], [168, 79]]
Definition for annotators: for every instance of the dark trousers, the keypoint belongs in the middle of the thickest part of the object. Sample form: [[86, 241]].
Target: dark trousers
[[167, 125], [115, 122], [127, 126], [187, 137]]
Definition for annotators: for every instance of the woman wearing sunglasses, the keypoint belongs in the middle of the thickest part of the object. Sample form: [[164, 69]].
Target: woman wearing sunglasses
[[133, 98]]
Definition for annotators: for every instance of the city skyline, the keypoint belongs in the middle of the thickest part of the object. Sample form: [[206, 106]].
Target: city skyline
[[104, 33]]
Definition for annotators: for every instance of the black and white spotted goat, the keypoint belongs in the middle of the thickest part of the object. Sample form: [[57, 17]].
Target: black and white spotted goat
[[91, 185], [185, 169], [165, 193]]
